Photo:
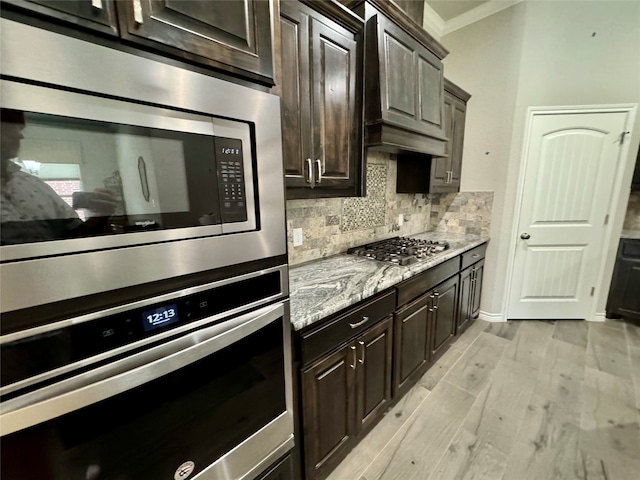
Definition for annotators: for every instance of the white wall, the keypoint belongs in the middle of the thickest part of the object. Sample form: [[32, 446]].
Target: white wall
[[484, 59], [553, 59]]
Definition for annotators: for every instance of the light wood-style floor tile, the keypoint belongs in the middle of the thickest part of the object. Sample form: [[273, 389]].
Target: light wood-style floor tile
[[371, 446], [506, 330], [473, 371], [467, 458], [558, 401], [530, 343], [425, 438], [572, 331], [609, 419], [607, 350], [499, 409]]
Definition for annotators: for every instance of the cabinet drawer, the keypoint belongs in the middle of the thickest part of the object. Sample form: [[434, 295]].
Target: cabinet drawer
[[413, 287], [320, 340], [472, 256], [631, 248]]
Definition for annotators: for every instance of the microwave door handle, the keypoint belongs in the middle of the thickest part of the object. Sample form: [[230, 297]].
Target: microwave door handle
[[144, 180], [125, 374]]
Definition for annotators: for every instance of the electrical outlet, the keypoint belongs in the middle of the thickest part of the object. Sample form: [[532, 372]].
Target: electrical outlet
[[400, 219], [297, 237]]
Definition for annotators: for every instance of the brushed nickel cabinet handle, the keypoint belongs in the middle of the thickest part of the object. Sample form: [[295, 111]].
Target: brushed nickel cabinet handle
[[361, 322], [137, 12], [320, 172], [475, 255], [361, 360], [353, 349], [309, 175], [96, 4]]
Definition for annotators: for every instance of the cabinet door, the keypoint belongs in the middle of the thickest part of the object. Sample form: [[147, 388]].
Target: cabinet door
[[328, 410], [443, 316], [336, 144], [411, 82], [440, 166], [624, 296], [295, 94], [234, 36], [458, 112], [374, 349], [97, 15], [412, 349], [476, 288], [464, 304]]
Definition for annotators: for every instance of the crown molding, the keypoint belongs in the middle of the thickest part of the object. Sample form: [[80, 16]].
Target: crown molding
[[480, 12], [432, 21]]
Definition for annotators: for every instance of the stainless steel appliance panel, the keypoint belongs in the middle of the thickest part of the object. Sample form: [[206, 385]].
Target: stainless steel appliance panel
[[40, 276]]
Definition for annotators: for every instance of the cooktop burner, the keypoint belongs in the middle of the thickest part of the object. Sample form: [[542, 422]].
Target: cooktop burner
[[400, 250]]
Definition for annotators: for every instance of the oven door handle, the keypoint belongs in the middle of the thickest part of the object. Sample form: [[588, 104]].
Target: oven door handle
[[122, 375]]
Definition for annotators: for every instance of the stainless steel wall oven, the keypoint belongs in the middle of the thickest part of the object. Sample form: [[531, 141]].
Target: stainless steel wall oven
[[144, 291]]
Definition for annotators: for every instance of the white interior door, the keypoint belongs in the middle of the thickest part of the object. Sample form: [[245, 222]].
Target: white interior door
[[570, 167]]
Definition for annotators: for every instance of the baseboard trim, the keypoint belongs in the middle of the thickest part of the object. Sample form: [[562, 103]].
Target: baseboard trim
[[598, 317], [491, 317]]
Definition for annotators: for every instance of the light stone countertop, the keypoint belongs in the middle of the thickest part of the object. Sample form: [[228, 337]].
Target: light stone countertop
[[323, 287], [632, 234]]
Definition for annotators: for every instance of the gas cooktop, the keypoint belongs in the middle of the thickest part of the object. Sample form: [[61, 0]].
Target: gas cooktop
[[400, 250]]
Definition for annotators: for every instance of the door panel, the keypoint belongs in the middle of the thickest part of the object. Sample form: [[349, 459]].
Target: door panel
[[235, 35], [295, 95], [327, 389], [334, 66], [374, 373], [444, 316], [570, 167]]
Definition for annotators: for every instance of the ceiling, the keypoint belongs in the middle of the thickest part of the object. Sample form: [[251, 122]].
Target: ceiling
[[448, 9], [442, 17]]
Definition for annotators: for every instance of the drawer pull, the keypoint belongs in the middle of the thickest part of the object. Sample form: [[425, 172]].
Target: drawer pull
[[96, 4], [475, 255], [362, 322]]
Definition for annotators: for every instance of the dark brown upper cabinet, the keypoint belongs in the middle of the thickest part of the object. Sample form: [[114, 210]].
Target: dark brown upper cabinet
[[404, 83], [97, 15], [234, 36], [418, 173], [445, 171], [321, 92]]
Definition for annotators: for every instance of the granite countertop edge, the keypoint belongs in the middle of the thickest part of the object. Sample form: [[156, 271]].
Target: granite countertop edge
[[323, 287], [630, 234]]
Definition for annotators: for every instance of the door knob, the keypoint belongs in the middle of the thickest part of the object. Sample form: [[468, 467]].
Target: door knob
[[525, 236]]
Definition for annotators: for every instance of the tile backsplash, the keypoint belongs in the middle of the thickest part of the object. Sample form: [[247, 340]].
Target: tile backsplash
[[632, 218], [333, 225]]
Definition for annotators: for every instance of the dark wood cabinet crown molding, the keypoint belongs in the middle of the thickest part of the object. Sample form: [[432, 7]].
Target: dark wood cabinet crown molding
[[336, 12], [392, 11], [455, 90]]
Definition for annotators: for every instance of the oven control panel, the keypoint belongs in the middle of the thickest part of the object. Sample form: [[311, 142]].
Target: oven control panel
[[137, 326]]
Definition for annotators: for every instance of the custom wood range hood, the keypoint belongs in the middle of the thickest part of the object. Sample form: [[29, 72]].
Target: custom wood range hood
[[404, 82]]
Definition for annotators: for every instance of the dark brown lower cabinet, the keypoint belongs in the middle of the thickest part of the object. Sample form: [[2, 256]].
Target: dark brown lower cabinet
[[470, 293], [444, 305], [344, 395], [412, 352], [423, 330], [624, 294]]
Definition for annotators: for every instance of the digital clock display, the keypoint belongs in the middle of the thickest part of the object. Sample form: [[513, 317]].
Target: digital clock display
[[160, 317]]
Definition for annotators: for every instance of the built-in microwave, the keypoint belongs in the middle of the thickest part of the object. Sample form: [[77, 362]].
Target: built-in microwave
[[120, 171]]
